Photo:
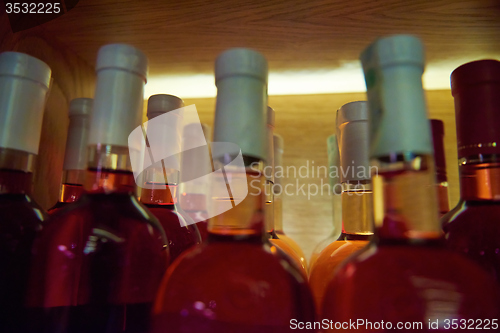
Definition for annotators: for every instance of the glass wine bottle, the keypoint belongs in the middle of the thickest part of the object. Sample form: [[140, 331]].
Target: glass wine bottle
[[161, 178], [437, 128], [24, 82], [335, 192], [406, 276], [234, 282], [278, 145], [195, 165], [473, 226], [97, 265], [283, 248], [75, 157], [357, 217]]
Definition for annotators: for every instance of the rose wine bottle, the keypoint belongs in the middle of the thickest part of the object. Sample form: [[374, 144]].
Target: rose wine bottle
[[437, 128], [473, 226], [24, 82], [75, 157], [406, 275], [234, 282], [196, 164], [283, 248], [357, 217], [336, 190], [161, 178], [278, 200], [97, 264]]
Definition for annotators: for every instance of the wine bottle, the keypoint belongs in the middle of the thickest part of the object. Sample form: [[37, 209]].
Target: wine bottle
[[405, 278], [335, 192], [283, 248], [437, 128], [161, 178], [97, 266], [24, 82], [75, 157], [234, 282], [195, 165], [472, 227], [357, 216], [278, 145]]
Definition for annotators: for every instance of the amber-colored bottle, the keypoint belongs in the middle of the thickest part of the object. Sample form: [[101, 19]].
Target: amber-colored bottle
[[24, 82], [282, 246], [196, 165], [357, 221], [473, 226], [234, 282], [437, 128], [335, 192], [161, 179], [405, 279], [278, 200], [75, 157], [98, 263]]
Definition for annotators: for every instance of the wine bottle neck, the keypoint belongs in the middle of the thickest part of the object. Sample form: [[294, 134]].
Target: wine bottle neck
[[442, 197], [405, 205], [16, 169], [72, 185], [480, 178], [241, 215], [357, 208], [109, 170], [159, 185], [278, 213], [269, 208]]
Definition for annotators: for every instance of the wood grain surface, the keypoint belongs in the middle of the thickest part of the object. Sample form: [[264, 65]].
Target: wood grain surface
[[186, 36]]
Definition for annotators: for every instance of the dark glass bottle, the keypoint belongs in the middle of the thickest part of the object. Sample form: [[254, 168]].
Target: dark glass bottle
[[75, 157], [405, 275], [234, 282], [161, 179], [98, 263], [473, 226], [437, 128], [24, 82]]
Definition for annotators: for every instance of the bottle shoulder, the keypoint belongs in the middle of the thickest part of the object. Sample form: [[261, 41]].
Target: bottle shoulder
[[245, 280], [473, 217], [417, 276], [20, 210]]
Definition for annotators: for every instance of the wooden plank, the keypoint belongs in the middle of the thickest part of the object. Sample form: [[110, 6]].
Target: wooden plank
[[186, 37]]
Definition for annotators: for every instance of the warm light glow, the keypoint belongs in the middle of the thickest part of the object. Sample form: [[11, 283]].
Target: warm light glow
[[347, 78]]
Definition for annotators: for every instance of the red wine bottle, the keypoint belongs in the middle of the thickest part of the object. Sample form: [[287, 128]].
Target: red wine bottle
[[405, 275], [234, 282], [473, 226], [98, 263], [24, 82], [195, 165], [75, 157], [161, 179], [437, 128]]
